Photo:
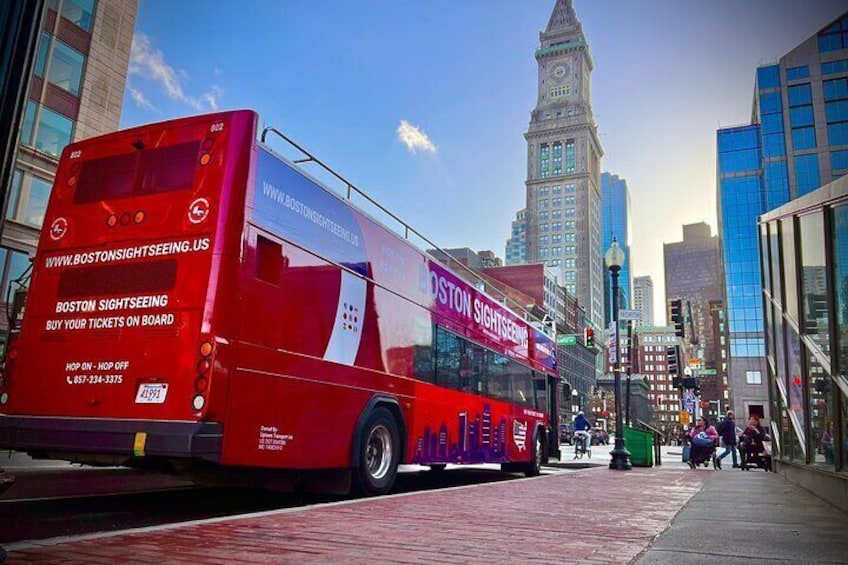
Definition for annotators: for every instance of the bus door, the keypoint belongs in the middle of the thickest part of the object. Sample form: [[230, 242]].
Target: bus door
[[553, 415]]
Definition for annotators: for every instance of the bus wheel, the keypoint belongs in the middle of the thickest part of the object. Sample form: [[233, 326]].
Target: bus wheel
[[533, 468], [379, 454]]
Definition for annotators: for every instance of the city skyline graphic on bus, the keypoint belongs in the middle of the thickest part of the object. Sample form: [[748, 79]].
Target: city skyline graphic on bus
[[474, 441]]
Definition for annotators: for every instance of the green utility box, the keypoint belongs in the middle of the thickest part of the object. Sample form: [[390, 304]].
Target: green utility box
[[640, 444]]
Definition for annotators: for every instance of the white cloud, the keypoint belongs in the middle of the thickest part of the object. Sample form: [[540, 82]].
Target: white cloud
[[148, 62], [414, 138], [140, 99]]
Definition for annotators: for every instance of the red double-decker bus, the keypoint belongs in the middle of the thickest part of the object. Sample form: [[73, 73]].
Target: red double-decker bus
[[202, 305]]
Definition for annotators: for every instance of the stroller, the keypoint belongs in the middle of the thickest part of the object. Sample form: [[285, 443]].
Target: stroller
[[702, 454]]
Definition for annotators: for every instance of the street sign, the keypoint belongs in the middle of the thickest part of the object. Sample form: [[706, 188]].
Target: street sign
[[695, 362], [633, 315], [613, 353], [707, 372], [566, 339], [684, 417]]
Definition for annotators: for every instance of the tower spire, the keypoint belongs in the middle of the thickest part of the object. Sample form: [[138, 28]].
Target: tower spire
[[563, 18]]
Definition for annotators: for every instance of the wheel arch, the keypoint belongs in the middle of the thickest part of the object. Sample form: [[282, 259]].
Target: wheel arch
[[379, 401]]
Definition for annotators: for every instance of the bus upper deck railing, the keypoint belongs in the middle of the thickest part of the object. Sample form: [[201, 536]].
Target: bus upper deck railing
[[409, 230]]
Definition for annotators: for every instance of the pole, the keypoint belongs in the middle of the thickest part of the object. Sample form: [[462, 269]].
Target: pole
[[629, 365], [620, 456]]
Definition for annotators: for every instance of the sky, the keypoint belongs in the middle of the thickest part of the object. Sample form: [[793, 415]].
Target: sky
[[423, 104]]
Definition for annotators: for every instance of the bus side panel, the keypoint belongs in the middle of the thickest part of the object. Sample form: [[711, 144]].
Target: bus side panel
[[455, 427], [281, 416]]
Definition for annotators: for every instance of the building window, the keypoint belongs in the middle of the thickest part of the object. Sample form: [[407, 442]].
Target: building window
[[556, 202], [569, 212], [796, 73], [78, 12], [543, 204], [839, 159], [46, 130], [556, 252], [569, 250], [569, 188], [803, 138], [569, 263], [835, 37], [807, 176], [556, 214], [768, 77], [832, 67], [41, 57], [28, 199], [556, 238], [65, 68], [543, 240], [543, 191], [557, 158], [543, 215], [570, 156], [543, 227], [544, 160], [556, 189], [753, 378]]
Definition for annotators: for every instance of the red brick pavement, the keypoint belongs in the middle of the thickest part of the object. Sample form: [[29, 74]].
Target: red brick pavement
[[591, 516]]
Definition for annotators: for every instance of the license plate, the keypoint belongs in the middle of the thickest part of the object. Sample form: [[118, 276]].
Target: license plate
[[151, 393]]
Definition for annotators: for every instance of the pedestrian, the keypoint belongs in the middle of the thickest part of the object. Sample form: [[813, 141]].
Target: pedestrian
[[727, 430]]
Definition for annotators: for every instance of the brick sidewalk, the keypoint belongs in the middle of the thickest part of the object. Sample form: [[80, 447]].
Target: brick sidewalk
[[595, 516]]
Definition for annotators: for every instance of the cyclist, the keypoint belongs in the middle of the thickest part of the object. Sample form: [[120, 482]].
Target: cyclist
[[581, 433]]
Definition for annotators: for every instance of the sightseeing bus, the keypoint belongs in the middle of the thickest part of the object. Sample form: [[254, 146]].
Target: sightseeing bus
[[200, 304]]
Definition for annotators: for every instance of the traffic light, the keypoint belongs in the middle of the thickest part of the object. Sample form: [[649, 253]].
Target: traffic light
[[589, 337], [677, 317], [672, 358], [676, 382]]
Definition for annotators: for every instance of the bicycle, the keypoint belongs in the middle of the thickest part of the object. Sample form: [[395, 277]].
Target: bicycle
[[582, 446]]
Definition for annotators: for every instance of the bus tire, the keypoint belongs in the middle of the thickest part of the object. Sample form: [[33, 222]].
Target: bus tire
[[537, 453], [379, 454]]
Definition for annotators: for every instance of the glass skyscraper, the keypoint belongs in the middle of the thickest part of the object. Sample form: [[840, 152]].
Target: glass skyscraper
[[615, 223], [797, 141]]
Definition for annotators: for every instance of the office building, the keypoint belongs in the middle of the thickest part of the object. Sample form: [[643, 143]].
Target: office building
[[796, 142], [516, 245], [643, 299], [615, 224], [693, 275]]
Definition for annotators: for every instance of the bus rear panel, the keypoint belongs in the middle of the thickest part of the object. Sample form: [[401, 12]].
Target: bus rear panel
[[116, 352]]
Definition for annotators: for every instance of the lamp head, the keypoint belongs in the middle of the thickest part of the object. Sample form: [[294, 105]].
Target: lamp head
[[615, 255]]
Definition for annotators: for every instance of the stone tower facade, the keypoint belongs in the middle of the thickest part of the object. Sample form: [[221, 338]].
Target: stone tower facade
[[563, 165]]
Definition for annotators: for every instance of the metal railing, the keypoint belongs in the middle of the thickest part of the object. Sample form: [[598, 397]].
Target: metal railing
[[408, 231]]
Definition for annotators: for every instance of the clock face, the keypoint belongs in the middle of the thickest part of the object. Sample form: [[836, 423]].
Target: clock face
[[560, 71]]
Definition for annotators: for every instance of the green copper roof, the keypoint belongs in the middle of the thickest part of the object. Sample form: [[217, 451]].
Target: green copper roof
[[562, 47]]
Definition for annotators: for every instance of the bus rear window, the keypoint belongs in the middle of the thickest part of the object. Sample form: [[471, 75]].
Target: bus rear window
[[104, 179], [144, 172], [167, 168], [133, 278]]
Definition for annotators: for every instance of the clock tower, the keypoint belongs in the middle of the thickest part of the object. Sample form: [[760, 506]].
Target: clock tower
[[563, 165]]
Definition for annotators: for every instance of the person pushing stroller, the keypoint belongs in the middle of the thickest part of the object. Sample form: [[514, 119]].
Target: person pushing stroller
[[704, 438]]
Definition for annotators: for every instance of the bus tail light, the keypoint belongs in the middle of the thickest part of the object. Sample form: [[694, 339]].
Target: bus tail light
[[139, 216], [112, 220], [201, 384], [204, 368], [206, 148]]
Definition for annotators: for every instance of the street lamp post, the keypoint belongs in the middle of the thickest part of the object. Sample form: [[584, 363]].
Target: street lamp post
[[620, 456]]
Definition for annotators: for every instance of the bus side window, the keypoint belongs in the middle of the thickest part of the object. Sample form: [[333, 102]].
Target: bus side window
[[497, 377], [522, 385], [269, 260], [449, 351]]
